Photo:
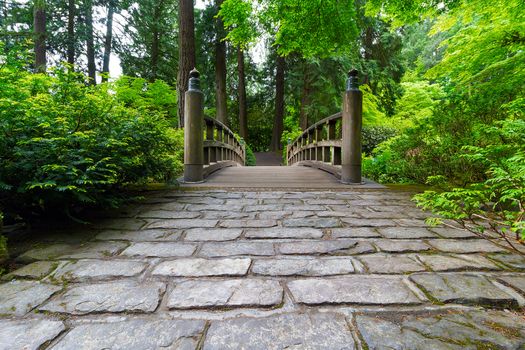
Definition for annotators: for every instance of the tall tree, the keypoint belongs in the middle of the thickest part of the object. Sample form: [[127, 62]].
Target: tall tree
[[305, 96], [279, 105], [241, 90], [39, 27], [90, 42], [149, 47], [186, 52], [220, 70], [108, 40], [71, 13]]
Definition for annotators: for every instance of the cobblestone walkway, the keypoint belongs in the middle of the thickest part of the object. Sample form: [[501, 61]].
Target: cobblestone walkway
[[266, 270]]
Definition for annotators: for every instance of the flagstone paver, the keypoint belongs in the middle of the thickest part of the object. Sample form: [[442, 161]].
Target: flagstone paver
[[28, 334], [264, 270]]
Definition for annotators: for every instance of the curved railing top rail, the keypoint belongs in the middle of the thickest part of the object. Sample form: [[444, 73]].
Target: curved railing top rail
[[210, 120], [324, 121]]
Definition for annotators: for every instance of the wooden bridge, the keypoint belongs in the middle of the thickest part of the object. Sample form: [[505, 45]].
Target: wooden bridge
[[326, 155]]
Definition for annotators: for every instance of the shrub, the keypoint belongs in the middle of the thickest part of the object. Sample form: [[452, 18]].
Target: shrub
[[250, 157], [372, 136], [495, 206], [66, 143], [3, 244]]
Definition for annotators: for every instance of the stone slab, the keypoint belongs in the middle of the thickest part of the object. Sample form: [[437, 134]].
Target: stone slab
[[303, 267], [312, 222], [511, 260], [487, 329], [406, 232], [368, 222], [155, 235], [134, 334], [463, 289], [336, 247], [84, 270], [367, 290], [457, 262], [228, 215], [247, 223], [289, 331], [168, 214], [387, 264], [515, 281], [465, 246], [164, 249], [117, 296], [36, 270], [216, 249], [182, 223], [284, 232], [200, 234], [355, 232], [447, 232], [121, 224], [379, 333], [226, 293], [400, 246], [20, 297], [28, 334], [198, 267]]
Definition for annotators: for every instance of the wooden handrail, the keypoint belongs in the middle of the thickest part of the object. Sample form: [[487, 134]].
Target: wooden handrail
[[323, 147], [221, 147], [209, 145]]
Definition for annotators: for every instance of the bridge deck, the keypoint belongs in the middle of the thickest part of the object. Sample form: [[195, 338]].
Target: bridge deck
[[288, 177]]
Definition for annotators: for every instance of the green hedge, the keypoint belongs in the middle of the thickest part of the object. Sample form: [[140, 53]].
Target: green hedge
[[65, 143]]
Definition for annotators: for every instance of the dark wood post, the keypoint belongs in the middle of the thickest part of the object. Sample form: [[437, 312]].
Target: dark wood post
[[193, 130], [351, 129]]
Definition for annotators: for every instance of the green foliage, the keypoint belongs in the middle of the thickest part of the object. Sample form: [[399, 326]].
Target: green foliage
[[238, 18], [372, 136], [291, 132], [250, 157], [497, 204], [65, 143], [138, 93]]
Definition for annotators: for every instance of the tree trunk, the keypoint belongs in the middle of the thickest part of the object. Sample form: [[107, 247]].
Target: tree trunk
[[220, 71], [243, 110], [107, 41], [39, 27], [305, 98], [90, 43], [279, 105], [71, 32], [155, 42], [186, 52]]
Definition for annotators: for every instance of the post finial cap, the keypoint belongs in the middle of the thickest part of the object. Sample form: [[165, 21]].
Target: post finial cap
[[353, 73], [194, 73]]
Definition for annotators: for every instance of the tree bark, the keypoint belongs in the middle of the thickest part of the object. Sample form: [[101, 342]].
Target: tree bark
[[155, 42], [107, 41], [90, 43], [39, 28], [186, 52], [241, 91], [220, 71], [71, 32], [305, 98], [279, 105]]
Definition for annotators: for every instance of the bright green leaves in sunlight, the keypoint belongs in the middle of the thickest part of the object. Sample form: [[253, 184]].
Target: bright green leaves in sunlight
[[239, 18], [311, 28]]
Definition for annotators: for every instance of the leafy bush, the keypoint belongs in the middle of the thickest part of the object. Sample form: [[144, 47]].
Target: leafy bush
[[65, 143], [250, 157], [496, 206], [372, 136]]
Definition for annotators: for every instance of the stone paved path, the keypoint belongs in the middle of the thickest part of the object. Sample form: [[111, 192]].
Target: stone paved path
[[265, 270]]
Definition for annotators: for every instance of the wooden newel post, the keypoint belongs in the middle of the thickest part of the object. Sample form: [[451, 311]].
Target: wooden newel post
[[193, 130], [351, 130]]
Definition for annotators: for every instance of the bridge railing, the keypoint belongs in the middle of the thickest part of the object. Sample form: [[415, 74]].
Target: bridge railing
[[334, 143], [209, 145]]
